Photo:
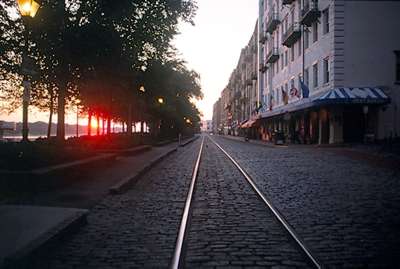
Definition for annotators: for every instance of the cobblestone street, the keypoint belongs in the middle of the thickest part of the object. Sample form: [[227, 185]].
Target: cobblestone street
[[347, 211], [230, 226]]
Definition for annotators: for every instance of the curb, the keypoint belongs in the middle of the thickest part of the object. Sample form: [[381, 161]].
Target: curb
[[128, 181], [22, 258], [251, 142], [189, 141]]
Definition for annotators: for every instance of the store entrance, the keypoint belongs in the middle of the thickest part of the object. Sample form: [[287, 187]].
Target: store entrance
[[353, 124]]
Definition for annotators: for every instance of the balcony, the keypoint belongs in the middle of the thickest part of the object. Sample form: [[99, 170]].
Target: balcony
[[287, 2], [263, 68], [273, 55], [273, 21], [292, 34], [238, 95], [310, 13], [263, 38]]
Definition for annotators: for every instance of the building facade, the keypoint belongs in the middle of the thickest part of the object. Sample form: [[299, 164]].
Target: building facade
[[206, 126], [239, 100], [328, 71], [328, 75], [216, 120]]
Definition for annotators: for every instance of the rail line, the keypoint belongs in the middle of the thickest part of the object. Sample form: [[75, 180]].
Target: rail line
[[185, 217], [177, 257]]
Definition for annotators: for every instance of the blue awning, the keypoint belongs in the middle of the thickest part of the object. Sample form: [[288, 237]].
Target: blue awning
[[338, 96], [353, 96]]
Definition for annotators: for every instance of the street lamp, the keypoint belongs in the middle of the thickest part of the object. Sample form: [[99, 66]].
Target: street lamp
[[142, 91], [160, 100], [27, 8]]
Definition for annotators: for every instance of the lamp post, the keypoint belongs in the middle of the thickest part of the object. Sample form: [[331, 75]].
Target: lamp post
[[28, 10]]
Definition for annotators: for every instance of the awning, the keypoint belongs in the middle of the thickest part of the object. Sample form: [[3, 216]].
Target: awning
[[291, 107], [334, 96], [353, 96], [248, 124]]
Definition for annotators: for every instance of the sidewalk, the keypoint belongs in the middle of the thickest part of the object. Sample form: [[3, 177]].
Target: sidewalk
[[252, 141], [83, 188], [26, 228]]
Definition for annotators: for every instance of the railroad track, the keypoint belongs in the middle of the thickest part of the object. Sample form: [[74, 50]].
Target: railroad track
[[179, 252]]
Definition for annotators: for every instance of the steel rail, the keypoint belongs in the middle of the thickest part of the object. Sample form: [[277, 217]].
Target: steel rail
[[280, 218], [182, 230]]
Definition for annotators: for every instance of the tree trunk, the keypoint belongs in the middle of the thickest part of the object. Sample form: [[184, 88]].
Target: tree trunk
[[141, 127], [109, 125], [98, 125], [89, 130], [61, 112], [51, 114], [129, 123]]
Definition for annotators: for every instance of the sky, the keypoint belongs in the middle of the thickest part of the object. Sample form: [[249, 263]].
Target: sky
[[212, 48]]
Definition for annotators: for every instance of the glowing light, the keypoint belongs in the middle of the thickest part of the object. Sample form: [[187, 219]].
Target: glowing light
[[93, 124], [160, 100], [142, 89], [28, 7]]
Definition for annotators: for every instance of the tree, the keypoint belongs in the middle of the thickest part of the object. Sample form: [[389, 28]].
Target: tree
[[93, 51]]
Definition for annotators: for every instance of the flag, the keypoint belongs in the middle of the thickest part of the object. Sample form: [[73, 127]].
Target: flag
[[305, 90], [285, 97], [294, 92]]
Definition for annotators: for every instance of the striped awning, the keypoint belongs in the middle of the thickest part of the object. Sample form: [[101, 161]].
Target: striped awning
[[353, 96], [249, 124]]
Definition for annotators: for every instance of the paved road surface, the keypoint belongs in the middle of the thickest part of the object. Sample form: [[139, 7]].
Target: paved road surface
[[347, 212]]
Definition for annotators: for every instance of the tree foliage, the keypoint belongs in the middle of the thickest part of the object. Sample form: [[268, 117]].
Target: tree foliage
[[98, 53]]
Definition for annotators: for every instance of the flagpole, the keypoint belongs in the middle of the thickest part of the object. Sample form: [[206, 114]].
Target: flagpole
[[304, 57]]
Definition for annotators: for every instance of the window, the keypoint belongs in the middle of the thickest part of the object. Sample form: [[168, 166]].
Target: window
[[298, 82], [286, 24], [306, 78], [397, 66], [306, 39], [286, 58], [299, 47], [299, 7], [276, 97], [326, 70], [282, 61], [292, 16], [315, 31], [292, 53], [276, 66], [315, 75], [325, 21]]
